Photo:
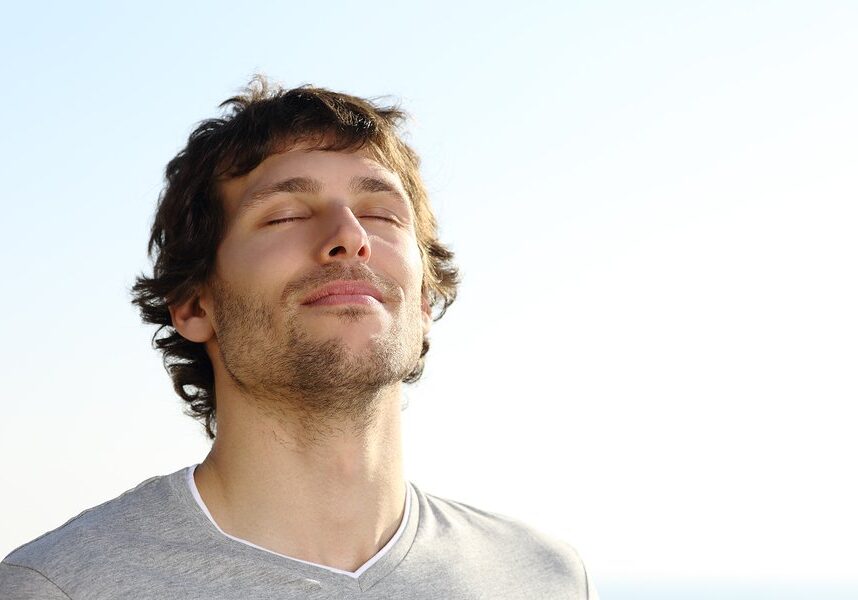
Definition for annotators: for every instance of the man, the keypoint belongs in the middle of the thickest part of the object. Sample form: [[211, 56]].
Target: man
[[297, 271]]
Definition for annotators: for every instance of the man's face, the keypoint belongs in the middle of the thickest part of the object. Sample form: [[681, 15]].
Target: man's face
[[317, 292]]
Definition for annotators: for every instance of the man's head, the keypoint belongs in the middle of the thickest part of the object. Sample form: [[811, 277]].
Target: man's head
[[295, 246]]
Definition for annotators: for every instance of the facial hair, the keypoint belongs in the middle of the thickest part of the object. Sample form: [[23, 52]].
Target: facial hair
[[285, 369]]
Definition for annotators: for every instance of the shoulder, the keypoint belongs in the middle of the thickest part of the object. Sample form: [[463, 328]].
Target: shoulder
[[505, 539], [94, 536]]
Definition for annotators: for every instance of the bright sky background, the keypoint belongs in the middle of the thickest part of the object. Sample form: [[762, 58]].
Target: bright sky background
[[654, 205]]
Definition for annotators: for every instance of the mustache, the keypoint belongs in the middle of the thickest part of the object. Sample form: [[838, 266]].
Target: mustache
[[335, 272]]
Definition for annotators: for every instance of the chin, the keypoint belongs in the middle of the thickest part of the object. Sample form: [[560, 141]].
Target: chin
[[351, 322], [355, 337]]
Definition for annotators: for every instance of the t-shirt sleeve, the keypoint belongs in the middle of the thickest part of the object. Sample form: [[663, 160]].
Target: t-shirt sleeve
[[24, 583]]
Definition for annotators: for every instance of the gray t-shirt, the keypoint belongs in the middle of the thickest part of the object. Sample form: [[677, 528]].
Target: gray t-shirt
[[155, 541]]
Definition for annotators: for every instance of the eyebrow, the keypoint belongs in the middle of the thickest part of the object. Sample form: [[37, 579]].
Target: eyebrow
[[307, 185], [369, 185], [293, 185]]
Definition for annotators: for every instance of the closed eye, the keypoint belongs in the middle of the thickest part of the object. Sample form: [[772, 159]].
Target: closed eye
[[382, 217], [284, 220], [389, 219]]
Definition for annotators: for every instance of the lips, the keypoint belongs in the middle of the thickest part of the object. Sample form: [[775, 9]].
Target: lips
[[343, 290]]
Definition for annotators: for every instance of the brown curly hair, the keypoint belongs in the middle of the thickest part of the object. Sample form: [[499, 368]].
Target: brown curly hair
[[190, 223]]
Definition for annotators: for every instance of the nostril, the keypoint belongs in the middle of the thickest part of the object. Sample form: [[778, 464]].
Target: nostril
[[337, 250]]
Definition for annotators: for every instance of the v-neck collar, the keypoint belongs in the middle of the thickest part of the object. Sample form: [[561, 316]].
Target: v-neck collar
[[367, 575]]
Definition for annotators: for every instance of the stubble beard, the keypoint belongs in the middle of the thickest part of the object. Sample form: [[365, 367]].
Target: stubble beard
[[291, 374]]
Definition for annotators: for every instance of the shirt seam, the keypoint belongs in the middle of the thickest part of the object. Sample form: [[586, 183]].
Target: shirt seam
[[48, 579], [140, 485]]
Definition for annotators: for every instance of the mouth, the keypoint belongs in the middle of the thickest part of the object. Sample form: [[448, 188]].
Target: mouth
[[344, 292]]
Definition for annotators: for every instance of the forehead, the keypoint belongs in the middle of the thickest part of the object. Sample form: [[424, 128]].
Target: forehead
[[335, 172]]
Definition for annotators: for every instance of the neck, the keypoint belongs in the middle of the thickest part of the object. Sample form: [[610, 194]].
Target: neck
[[334, 498]]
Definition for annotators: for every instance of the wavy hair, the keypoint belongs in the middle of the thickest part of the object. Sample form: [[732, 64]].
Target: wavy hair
[[190, 223]]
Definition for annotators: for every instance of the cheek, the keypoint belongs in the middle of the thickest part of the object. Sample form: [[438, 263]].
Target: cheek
[[264, 261], [411, 265]]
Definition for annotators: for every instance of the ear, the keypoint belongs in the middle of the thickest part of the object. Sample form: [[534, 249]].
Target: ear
[[192, 319], [426, 311]]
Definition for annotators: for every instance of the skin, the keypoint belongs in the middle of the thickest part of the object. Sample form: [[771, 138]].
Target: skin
[[308, 461]]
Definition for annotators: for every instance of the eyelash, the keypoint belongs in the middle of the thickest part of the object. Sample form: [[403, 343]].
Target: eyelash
[[290, 219], [284, 220]]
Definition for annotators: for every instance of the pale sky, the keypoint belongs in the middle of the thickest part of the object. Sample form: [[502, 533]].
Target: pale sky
[[653, 355]]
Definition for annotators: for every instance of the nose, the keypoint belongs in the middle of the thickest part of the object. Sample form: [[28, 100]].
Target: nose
[[347, 240]]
